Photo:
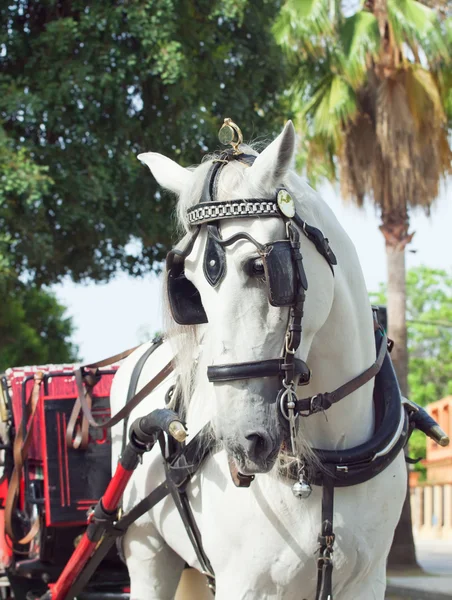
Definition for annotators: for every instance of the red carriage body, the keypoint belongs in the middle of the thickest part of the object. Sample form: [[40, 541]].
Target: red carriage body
[[58, 483]]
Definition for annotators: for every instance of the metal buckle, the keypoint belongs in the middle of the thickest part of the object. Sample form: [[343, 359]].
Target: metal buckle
[[313, 408], [289, 350], [290, 404], [342, 468], [289, 230], [289, 413]]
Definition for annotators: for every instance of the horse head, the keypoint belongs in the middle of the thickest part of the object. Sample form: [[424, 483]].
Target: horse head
[[237, 276]]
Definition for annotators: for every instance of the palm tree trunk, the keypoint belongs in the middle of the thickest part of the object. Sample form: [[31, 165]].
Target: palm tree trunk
[[397, 312], [403, 552]]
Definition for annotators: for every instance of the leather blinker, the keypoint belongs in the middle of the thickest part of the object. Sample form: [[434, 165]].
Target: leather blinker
[[279, 273], [184, 299]]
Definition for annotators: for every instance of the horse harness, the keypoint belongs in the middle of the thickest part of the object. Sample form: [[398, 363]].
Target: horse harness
[[286, 287]]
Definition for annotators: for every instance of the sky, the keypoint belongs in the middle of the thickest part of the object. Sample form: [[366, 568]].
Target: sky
[[114, 316]]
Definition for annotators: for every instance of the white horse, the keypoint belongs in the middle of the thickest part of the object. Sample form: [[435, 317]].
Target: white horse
[[262, 541]]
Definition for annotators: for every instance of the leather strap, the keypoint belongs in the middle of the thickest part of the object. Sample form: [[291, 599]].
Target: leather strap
[[84, 402], [22, 442], [82, 432], [184, 509], [111, 359], [318, 239], [81, 438], [133, 403], [326, 541], [294, 327], [133, 384], [321, 402], [254, 369], [189, 460]]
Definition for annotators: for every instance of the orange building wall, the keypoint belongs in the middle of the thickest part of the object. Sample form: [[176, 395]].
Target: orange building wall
[[439, 459]]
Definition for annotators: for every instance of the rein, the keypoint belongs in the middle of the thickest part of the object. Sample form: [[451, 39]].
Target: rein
[[322, 402], [88, 375]]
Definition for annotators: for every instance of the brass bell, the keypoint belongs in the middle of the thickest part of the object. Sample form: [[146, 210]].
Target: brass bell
[[301, 489]]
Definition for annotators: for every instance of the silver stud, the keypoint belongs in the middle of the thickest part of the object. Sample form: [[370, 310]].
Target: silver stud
[[212, 263]]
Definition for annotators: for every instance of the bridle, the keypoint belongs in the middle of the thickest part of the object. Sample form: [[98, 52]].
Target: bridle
[[286, 280], [286, 287], [284, 273]]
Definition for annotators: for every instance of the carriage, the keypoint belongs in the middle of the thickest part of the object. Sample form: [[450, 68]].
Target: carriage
[[334, 485], [47, 493]]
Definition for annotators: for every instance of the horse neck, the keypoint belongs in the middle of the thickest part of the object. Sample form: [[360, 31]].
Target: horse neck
[[340, 351]]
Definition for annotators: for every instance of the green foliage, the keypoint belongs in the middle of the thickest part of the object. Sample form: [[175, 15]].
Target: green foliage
[[418, 449], [359, 36], [85, 87], [416, 24], [23, 184], [34, 330], [429, 321], [334, 72]]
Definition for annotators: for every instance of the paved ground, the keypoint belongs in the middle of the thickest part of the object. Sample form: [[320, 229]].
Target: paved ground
[[434, 583]]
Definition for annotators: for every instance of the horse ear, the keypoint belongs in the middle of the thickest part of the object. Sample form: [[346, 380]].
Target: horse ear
[[168, 173], [271, 166]]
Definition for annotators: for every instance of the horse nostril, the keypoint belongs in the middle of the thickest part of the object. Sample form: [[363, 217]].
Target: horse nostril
[[258, 445]]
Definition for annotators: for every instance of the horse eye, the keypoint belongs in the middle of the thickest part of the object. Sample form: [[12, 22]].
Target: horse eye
[[255, 268]]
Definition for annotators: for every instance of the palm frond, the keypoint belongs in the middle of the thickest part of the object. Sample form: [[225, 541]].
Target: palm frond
[[302, 23], [359, 37], [418, 25], [424, 97], [335, 107], [370, 108], [316, 158]]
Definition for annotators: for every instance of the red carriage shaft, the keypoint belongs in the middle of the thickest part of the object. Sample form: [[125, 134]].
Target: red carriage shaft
[[85, 549], [144, 433]]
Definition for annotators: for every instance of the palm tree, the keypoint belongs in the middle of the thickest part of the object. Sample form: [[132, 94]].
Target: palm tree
[[371, 91]]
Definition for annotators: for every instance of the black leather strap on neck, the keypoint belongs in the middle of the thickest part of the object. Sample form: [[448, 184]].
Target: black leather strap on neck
[[321, 402], [318, 239]]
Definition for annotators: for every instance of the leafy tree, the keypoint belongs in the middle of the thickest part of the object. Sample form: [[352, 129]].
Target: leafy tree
[[429, 316], [373, 95], [22, 184], [33, 329], [84, 87]]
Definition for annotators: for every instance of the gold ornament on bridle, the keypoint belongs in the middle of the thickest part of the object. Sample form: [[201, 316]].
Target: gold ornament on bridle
[[230, 135]]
